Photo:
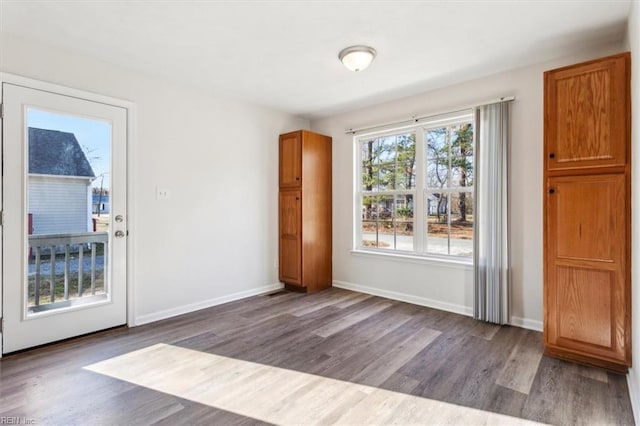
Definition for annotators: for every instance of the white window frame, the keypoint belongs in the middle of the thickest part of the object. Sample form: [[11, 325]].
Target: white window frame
[[420, 191]]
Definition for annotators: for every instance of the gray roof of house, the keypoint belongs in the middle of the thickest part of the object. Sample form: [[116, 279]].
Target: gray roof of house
[[56, 153]]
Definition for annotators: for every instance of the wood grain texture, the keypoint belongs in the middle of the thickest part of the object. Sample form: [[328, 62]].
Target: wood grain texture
[[522, 365], [305, 164], [587, 221], [416, 351], [585, 113], [586, 287], [248, 388], [290, 205], [584, 116], [593, 373], [484, 330], [340, 324], [583, 226], [290, 153], [584, 305], [345, 303], [317, 211]]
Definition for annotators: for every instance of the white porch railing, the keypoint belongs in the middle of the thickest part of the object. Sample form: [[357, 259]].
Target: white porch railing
[[61, 270]]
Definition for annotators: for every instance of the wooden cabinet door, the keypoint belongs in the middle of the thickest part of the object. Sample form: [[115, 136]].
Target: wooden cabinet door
[[291, 160], [586, 293], [586, 114], [291, 237]]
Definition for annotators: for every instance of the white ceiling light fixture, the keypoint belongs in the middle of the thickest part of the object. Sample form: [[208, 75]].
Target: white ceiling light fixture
[[357, 58]]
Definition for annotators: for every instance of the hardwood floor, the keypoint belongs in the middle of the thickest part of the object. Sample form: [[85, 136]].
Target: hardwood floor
[[280, 396], [336, 334]]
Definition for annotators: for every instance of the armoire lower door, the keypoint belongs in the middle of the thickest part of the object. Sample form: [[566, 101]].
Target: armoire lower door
[[586, 302]]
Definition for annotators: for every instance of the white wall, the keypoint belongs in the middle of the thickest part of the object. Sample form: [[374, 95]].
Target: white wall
[[450, 287], [633, 45], [215, 238]]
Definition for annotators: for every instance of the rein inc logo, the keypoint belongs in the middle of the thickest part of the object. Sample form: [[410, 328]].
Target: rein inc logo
[[15, 420]]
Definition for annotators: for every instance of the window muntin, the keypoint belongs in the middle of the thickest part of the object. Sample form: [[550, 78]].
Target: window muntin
[[390, 179]]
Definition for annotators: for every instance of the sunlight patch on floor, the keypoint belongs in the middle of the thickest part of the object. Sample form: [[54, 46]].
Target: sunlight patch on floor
[[280, 396]]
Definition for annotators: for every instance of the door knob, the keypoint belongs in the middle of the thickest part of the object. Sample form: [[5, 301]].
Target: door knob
[[119, 234]]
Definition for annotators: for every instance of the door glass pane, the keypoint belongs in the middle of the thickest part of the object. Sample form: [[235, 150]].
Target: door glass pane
[[68, 190]]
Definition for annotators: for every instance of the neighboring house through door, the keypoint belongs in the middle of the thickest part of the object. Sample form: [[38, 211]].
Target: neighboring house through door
[[60, 179]]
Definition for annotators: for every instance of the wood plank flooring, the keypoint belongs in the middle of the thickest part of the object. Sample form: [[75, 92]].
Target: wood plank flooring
[[248, 389], [356, 339]]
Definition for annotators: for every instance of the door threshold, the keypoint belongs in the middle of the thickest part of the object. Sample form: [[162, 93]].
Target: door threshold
[[66, 341]]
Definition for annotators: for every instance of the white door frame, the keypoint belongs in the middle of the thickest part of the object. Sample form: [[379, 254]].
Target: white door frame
[[130, 108]]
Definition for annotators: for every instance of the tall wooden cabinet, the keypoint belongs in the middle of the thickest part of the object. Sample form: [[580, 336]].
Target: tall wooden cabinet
[[305, 211], [587, 220]]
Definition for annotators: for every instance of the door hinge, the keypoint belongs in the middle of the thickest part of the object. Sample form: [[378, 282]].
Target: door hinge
[[1, 111], [1, 217], [1, 325]]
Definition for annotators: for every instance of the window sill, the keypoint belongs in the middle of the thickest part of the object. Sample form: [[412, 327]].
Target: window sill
[[409, 258]]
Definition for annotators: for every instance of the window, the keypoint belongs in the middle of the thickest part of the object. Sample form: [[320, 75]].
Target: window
[[388, 191], [449, 189], [415, 188]]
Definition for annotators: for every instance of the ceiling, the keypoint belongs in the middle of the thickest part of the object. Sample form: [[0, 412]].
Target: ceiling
[[283, 54]]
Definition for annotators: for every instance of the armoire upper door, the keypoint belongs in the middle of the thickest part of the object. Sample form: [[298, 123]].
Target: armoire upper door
[[586, 114], [291, 160]]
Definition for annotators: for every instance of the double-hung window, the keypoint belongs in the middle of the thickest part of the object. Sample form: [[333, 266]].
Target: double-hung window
[[388, 191], [414, 188]]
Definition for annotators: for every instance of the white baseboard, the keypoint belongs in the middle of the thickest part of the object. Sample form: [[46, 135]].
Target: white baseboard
[[403, 297], [409, 298], [527, 323], [430, 303], [634, 393], [185, 309]]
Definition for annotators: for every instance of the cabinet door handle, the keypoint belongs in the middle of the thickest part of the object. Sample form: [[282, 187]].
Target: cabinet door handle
[[298, 198], [297, 177], [551, 191], [552, 155]]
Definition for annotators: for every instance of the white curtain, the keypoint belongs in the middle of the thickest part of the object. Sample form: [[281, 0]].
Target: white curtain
[[491, 242]]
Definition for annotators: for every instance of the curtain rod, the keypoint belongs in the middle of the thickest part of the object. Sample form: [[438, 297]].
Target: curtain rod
[[415, 119]]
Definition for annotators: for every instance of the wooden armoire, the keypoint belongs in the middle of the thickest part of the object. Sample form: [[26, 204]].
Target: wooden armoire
[[587, 213], [305, 211]]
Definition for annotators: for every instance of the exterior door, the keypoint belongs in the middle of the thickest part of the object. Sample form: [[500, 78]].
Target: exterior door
[[65, 217]]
